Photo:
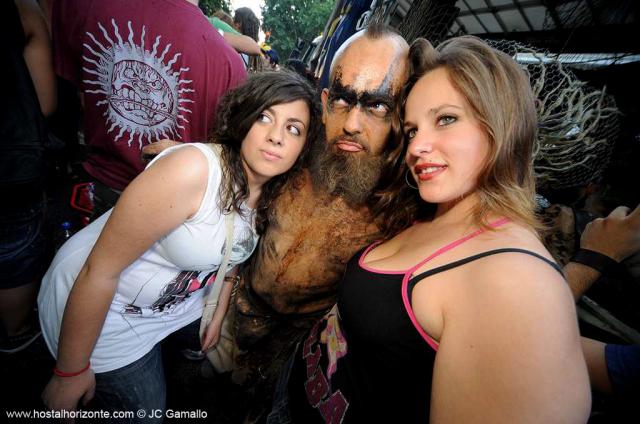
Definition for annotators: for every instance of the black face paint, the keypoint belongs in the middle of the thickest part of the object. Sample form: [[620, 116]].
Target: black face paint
[[344, 97]]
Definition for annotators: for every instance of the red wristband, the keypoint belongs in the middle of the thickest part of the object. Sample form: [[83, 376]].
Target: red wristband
[[59, 373]]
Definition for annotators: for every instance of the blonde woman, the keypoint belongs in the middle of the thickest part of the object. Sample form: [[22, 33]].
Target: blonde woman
[[463, 316]]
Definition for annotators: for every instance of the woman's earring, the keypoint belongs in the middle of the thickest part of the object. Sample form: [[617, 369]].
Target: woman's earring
[[406, 178]]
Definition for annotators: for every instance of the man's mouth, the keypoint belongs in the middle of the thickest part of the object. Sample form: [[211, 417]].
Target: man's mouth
[[349, 146]]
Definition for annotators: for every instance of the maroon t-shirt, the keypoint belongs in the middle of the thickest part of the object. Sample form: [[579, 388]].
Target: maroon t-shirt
[[149, 70]]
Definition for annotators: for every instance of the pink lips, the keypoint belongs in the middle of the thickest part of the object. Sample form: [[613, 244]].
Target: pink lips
[[349, 146], [270, 156], [426, 177]]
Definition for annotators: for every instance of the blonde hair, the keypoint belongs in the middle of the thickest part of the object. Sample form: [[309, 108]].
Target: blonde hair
[[500, 96]]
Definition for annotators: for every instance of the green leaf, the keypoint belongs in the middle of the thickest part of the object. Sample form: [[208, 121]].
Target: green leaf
[[290, 20], [210, 6]]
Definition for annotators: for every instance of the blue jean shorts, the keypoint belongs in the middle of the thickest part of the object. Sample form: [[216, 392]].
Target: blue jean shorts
[[22, 245]]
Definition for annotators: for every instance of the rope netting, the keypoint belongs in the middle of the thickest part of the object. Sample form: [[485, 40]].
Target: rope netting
[[578, 123], [428, 19]]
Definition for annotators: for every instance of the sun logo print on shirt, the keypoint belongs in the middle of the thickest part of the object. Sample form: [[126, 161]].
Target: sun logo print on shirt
[[143, 95]]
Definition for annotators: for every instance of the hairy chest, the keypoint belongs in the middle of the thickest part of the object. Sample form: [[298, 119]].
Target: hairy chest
[[303, 256]]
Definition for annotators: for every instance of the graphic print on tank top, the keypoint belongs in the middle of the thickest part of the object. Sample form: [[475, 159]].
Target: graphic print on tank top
[[175, 292], [141, 92], [184, 283]]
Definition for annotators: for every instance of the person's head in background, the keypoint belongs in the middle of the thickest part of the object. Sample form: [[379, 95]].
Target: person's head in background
[[246, 22], [224, 17]]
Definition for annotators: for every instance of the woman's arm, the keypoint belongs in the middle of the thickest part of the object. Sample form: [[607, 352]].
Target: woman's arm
[[509, 349], [214, 329], [616, 236], [242, 43], [157, 201]]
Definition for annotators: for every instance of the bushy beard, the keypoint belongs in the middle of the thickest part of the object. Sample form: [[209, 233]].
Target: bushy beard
[[352, 176]]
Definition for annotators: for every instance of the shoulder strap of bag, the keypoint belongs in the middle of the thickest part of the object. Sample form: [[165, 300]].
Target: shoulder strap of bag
[[228, 245]]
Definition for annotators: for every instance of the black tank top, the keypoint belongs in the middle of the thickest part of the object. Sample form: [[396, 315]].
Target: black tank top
[[368, 361]]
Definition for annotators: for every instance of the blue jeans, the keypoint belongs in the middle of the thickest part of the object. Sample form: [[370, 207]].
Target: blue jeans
[[22, 245], [141, 385], [137, 386]]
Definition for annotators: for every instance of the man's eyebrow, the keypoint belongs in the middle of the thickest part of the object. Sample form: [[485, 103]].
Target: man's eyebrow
[[376, 96], [337, 87], [366, 96]]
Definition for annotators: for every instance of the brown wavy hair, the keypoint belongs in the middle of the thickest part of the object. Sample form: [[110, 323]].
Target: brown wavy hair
[[500, 96], [237, 112]]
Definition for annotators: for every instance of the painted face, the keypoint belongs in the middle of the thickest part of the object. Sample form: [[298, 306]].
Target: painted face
[[275, 140], [357, 106], [447, 146]]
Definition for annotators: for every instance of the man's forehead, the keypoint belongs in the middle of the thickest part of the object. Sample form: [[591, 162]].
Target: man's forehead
[[367, 66], [363, 83], [359, 80]]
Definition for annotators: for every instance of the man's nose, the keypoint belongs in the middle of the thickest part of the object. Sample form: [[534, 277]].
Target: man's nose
[[354, 122]]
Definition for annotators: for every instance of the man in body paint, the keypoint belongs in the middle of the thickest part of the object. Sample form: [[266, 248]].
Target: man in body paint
[[323, 218]]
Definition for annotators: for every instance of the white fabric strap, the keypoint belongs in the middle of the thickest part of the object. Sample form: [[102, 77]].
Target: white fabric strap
[[212, 297]]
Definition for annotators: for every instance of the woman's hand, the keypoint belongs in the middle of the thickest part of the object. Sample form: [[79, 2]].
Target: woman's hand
[[617, 235], [214, 329], [64, 393], [212, 335]]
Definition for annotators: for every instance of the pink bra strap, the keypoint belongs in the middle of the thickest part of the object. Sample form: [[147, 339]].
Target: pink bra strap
[[407, 277], [456, 243]]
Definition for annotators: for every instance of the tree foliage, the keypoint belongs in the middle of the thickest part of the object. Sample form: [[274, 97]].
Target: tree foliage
[[210, 6], [290, 20]]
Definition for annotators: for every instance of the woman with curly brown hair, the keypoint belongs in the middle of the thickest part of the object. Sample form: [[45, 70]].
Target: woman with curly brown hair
[[463, 316], [140, 272]]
